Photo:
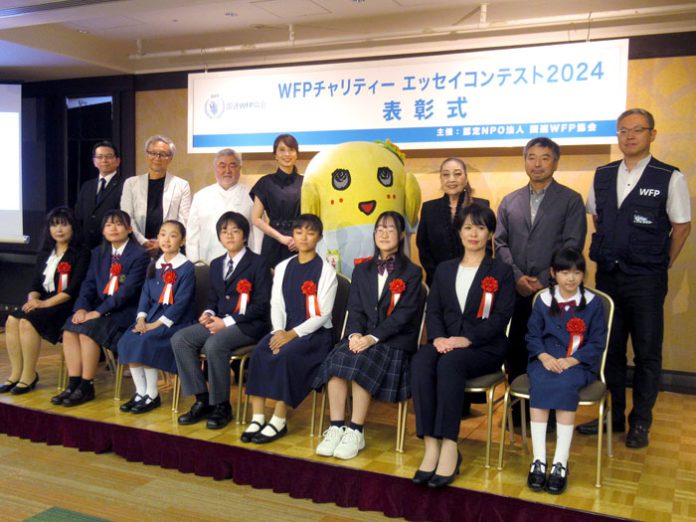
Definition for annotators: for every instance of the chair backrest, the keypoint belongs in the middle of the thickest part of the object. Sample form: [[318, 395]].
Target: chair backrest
[[202, 282], [422, 308], [338, 312]]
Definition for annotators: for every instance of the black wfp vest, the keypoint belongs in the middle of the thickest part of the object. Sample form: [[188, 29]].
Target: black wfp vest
[[636, 237]]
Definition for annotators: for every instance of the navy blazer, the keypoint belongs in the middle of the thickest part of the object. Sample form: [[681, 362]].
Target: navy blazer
[[122, 306], [183, 310], [367, 315], [77, 257], [444, 318], [223, 296], [89, 213]]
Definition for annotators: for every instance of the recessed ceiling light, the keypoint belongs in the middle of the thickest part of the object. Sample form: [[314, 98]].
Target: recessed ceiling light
[[83, 31]]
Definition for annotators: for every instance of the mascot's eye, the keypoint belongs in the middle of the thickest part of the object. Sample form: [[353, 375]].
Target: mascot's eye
[[340, 179], [385, 176]]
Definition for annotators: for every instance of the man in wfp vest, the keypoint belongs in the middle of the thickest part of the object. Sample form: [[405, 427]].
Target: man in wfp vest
[[642, 216]]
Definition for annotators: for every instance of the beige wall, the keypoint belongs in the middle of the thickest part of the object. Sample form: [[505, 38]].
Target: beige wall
[[663, 86]]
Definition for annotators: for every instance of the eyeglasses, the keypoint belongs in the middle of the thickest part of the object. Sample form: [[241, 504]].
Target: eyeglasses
[[159, 155], [385, 230], [100, 157], [635, 130]]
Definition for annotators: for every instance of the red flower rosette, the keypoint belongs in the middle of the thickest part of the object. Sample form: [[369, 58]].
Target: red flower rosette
[[489, 285], [309, 289], [396, 287], [64, 269], [167, 295], [114, 273], [243, 288], [576, 327]]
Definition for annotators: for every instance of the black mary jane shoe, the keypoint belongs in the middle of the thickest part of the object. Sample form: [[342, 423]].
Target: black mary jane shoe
[[143, 406], [78, 397], [221, 417], [20, 390], [58, 399], [260, 438], [128, 406], [558, 479], [421, 478], [7, 386], [247, 436], [199, 411], [536, 480], [440, 481]]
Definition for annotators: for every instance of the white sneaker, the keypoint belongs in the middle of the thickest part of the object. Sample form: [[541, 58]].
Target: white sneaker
[[351, 443], [332, 438]]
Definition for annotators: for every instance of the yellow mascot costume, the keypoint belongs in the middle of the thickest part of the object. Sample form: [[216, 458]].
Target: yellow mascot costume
[[348, 186]]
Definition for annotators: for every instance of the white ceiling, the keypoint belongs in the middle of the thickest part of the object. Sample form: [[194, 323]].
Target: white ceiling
[[41, 39]]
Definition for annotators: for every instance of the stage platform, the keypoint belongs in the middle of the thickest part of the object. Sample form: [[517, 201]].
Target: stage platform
[[656, 483]]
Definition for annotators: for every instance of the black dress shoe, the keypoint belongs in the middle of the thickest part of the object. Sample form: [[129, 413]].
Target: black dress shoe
[[260, 438], [221, 417], [558, 479], [7, 387], [440, 481], [58, 399], [421, 478], [247, 436], [536, 480], [143, 406], [590, 428], [20, 390], [128, 406], [79, 397], [199, 411], [637, 437]]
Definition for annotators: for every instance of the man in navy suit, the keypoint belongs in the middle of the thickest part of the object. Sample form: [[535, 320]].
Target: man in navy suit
[[99, 195]]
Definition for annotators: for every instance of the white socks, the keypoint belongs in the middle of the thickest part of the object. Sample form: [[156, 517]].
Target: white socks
[[277, 422], [151, 376], [256, 417], [539, 440], [138, 374], [564, 436]]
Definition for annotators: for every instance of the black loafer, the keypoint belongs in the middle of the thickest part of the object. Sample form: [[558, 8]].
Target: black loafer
[[199, 411], [221, 417], [58, 399], [128, 406], [79, 397], [247, 436], [637, 437], [421, 478], [7, 387], [558, 479], [143, 406], [260, 438], [536, 480], [590, 428]]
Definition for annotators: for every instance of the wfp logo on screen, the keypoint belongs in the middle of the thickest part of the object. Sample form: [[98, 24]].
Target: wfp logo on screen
[[214, 106]]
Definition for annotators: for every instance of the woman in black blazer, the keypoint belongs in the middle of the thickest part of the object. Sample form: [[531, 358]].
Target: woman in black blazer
[[437, 237], [470, 303], [60, 268]]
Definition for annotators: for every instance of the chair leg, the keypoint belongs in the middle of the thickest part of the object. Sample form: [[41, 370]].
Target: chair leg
[[489, 434], [403, 418], [176, 393], [506, 417], [240, 386], [610, 451], [62, 372], [511, 425], [314, 413], [523, 418], [119, 381], [322, 410], [600, 431]]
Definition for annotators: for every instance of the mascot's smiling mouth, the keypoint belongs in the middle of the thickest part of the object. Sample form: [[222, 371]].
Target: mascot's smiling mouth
[[367, 207]]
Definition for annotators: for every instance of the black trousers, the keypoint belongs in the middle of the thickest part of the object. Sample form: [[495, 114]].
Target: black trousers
[[438, 387], [638, 312], [518, 355]]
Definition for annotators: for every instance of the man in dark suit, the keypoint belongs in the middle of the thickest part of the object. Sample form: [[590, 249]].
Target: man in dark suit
[[101, 194], [534, 222]]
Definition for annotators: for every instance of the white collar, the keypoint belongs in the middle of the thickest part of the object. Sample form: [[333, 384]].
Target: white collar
[[176, 262], [119, 252], [639, 167], [237, 258], [545, 296]]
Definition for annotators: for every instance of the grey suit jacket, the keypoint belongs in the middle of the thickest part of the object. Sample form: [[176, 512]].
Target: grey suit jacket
[[176, 201], [560, 221]]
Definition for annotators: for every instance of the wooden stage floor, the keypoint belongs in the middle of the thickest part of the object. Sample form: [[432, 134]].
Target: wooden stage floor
[[656, 483]]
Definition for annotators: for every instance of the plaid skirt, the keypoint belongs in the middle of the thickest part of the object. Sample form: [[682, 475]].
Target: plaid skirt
[[383, 371], [102, 330]]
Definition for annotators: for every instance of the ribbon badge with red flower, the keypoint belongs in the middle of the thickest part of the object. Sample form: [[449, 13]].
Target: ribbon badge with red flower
[[244, 287], [309, 289], [489, 285], [576, 328], [64, 269], [167, 295], [114, 273], [396, 287]]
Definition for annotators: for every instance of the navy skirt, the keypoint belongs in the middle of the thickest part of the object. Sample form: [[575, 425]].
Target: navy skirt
[[102, 330], [557, 391]]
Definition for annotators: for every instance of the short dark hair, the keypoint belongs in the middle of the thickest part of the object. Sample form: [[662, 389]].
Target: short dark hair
[[637, 110], [545, 142], [479, 215], [178, 224], [105, 143], [233, 217], [400, 224], [288, 139], [60, 216], [568, 258], [118, 215], [309, 221]]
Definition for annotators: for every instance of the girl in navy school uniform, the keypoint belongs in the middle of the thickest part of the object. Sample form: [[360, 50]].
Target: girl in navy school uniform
[[166, 305], [381, 336], [105, 307], [566, 337], [286, 361]]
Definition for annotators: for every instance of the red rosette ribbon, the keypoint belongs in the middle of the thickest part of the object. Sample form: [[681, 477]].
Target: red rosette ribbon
[[167, 295], [243, 288], [64, 269], [309, 289], [489, 285], [112, 285], [396, 287], [576, 328], [358, 260]]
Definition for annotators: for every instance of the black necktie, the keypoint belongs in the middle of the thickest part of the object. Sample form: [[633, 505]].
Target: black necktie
[[100, 192], [387, 264], [230, 269]]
